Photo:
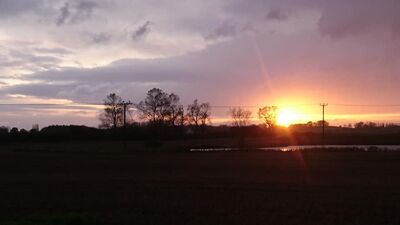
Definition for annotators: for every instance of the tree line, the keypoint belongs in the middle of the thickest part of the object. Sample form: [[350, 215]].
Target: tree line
[[160, 108], [157, 109], [163, 116]]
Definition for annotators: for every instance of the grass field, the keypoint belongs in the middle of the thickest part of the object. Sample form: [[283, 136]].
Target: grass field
[[244, 187]]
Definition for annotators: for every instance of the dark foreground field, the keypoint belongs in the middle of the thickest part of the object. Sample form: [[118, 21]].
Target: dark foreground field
[[200, 188]]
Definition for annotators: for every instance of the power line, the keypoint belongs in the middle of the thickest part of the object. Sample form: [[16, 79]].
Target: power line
[[213, 106], [50, 104], [101, 104], [261, 106], [367, 105]]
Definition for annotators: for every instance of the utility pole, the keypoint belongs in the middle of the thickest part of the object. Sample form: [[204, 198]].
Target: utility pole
[[125, 105], [323, 119], [125, 108]]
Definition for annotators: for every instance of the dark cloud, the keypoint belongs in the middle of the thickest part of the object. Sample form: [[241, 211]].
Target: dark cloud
[[141, 31], [13, 7], [86, 6], [75, 13], [100, 38], [339, 18], [64, 14], [84, 10], [277, 15], [224, 30], [352, 18]]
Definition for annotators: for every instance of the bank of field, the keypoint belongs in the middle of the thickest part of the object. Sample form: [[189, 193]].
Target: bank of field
[[252, 187]]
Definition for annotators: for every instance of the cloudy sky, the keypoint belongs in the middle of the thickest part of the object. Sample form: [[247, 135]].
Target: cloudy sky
[[291, 53]]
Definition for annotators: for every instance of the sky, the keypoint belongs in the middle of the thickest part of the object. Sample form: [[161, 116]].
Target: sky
[[291, 53]]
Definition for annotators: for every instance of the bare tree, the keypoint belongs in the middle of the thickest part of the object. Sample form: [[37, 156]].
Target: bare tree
[[198, 114], [175, 111], [268, 115], [153, 107], [240, 117], [160, 107], [113, 112], [181, 118]]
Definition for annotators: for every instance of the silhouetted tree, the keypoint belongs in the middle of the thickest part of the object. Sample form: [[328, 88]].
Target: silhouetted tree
[[240, 117], [181, 117], [372, 125], [176, 111], [367, 125], [160, 107], [359, 125], [198, 114], [268, 115], [14, 131], [113, 112], [320, 123], [153, 107]]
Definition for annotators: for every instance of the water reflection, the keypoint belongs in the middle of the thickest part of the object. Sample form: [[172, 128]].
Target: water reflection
[[310, 147]]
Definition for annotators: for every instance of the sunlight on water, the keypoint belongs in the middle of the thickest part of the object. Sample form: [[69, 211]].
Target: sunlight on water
[[310, 147], [284, 149]]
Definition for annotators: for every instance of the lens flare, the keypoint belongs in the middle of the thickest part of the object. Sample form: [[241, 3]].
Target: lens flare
[[287, 116]]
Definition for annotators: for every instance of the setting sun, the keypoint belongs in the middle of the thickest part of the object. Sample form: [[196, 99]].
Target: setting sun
[[286, 117]]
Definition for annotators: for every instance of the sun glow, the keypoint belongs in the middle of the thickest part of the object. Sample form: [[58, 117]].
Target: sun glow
[[287, 116]]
